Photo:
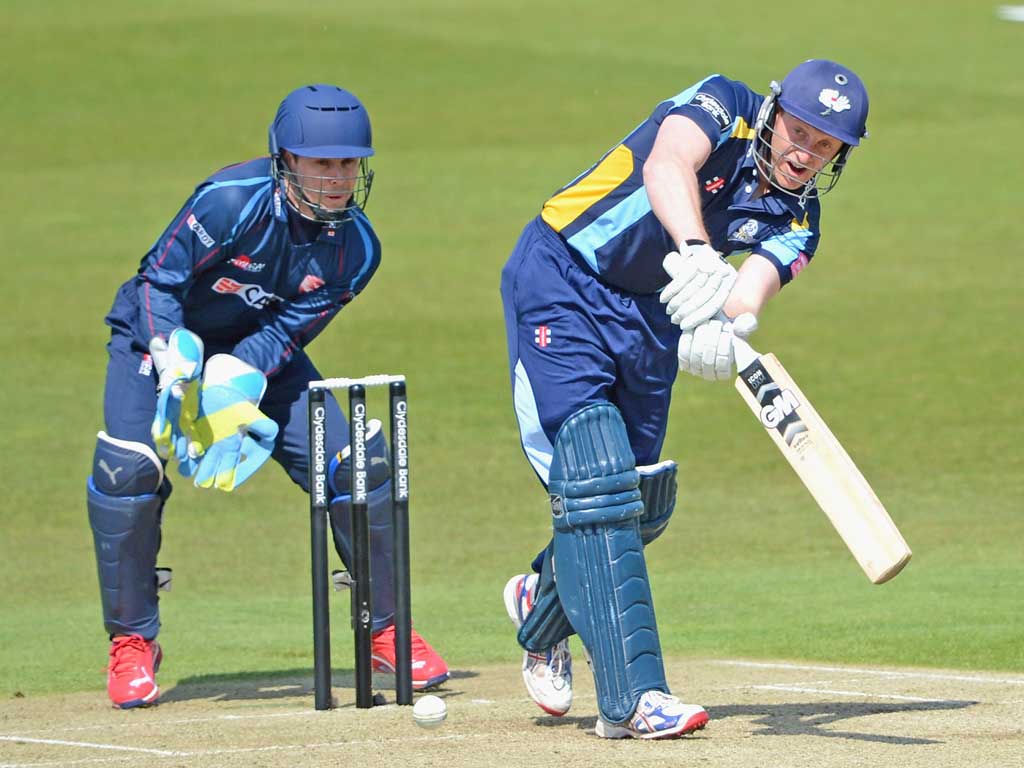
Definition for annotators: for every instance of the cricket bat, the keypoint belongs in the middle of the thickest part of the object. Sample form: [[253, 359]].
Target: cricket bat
[[822, 464]]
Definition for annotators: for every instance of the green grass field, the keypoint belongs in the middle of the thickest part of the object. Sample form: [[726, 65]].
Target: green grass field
[[904, 333]]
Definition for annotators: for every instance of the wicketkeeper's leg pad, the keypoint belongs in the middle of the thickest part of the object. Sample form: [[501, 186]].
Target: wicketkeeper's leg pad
[[382, 585], [600, 571], [125, 496]]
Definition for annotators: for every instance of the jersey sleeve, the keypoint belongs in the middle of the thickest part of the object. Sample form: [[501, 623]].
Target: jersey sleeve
[[712, 104], [190, 243], [294, 323], [792, 250]]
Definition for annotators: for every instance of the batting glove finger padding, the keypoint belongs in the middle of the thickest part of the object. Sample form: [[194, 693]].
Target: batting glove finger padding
[[708, 351], [701, 283]]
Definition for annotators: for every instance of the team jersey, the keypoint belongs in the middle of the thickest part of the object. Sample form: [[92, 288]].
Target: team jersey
[[605, 217], [245, 273]]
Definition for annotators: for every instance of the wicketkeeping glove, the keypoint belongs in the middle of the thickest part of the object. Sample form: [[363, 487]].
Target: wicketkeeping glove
[[708, 350], [178, 362], [230, 438], [701, 282]]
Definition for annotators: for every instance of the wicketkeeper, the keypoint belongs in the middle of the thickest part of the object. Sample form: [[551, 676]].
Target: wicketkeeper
[[619, 283], [207, 366]]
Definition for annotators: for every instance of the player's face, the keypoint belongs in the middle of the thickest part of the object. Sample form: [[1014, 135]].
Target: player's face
[[799, 151], [325, 181]]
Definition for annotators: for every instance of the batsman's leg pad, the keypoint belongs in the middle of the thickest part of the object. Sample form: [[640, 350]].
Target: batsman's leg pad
[[125, 496], [545, 625], [658, 486], [382, 587], [599, 565]]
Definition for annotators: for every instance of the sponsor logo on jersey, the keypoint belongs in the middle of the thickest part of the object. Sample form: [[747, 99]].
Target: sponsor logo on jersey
[[310, 283], [542, 336], [747, 233], [243, 262], [201, 233], [253, 295], [146, 365], [714, 184], [714, 107]]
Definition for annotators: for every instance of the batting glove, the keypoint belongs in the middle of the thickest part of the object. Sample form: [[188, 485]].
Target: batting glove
[[708, 351], [701, 282]]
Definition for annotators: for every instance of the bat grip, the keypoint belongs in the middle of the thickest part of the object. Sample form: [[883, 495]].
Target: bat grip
[[745, 354]]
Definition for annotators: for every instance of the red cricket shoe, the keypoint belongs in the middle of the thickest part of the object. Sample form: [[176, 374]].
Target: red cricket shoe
[[428, 668], [131, 676]]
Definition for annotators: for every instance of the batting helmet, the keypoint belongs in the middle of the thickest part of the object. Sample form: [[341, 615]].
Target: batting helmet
[[826, 96]]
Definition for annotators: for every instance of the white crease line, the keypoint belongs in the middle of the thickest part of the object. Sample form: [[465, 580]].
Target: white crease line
[[84, 761], [199, 753], [855, 694], [182, 721], [880, 672], [90, 745]]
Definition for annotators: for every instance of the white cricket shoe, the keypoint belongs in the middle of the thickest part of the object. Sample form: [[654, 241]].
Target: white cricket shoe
[[657, 716], [547, 674]]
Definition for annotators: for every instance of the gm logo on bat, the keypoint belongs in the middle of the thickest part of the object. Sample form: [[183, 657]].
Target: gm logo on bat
[[782, 405]]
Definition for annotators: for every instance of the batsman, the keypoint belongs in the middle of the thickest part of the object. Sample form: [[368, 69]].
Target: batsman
[[207, 367], [618, 283]]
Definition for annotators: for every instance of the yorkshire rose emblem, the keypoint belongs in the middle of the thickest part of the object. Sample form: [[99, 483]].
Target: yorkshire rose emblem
[[832, 99]]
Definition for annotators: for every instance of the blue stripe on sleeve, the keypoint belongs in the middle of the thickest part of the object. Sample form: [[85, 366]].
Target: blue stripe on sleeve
[[248, 209], [787, 247], [689, 93], [361, 225]]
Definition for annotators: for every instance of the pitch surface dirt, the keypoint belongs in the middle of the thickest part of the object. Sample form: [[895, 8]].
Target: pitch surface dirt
[[762, 714]]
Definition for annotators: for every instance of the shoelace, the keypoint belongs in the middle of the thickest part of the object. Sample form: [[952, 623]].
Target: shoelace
[[387, 635], [120, 659], [419, 644], [657, 698], [560, 658]]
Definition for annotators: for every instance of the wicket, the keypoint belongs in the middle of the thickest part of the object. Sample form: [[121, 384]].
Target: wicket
[[319, 504]]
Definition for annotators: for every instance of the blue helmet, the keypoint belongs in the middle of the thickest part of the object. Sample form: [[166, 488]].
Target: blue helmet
[[826, 96], [829, 97], [321, 121]]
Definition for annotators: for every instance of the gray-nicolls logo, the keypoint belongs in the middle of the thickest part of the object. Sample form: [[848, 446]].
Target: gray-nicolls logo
[[557, 505], [111, 473]]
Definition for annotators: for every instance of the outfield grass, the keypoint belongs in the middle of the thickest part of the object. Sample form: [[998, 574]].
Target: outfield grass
[[903, 332]]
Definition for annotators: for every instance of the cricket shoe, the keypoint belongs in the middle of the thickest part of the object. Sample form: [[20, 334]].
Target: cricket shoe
[[657, 716], [131, 675], [428, 668], [547, 674]]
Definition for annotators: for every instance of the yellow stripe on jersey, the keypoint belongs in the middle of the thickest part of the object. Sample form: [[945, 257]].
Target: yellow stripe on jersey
[[796, 226], [742, 130], [565, 207]]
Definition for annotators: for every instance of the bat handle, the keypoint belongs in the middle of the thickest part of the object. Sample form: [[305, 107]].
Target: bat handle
[[745, 354]]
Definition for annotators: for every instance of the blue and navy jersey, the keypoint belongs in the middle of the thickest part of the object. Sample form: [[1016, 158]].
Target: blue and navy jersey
[[230, 269], [605, 217]]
